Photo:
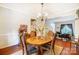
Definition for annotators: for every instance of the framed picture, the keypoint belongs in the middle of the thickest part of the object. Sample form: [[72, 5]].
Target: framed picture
[[33, 24]]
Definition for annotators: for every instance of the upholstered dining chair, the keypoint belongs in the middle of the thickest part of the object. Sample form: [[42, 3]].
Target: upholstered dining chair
[[57, 48], [27, 48], [52, 46], [48, 46]]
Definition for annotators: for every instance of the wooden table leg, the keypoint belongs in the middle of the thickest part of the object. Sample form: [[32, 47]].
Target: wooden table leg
[[39, 50]]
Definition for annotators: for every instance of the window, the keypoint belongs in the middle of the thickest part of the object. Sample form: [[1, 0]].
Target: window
[[66, 29]]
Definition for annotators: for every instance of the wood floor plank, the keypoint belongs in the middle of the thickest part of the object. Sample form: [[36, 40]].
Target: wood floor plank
[[10, 50]]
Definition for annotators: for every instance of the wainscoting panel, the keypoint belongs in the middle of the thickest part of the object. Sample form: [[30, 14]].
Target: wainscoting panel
[[9, 39]]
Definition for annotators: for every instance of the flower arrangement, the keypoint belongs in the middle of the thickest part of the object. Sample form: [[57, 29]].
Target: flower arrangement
[[41, 27]]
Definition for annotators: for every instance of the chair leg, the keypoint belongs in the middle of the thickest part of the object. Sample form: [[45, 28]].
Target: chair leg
[[41, 50], [23, 52], [51, 49]]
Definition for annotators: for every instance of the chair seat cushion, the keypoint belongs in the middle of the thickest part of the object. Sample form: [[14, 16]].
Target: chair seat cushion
[[46, 47], [31, 49]]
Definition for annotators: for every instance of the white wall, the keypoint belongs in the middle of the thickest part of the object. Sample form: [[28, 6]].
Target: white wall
[[77, 28], [9, 23], [50, 25]]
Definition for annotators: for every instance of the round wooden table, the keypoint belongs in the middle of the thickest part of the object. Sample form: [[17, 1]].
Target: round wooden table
[[38, 42]]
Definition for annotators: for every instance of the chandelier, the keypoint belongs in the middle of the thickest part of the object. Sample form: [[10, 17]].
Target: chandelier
[[41, 22], [42, 14]]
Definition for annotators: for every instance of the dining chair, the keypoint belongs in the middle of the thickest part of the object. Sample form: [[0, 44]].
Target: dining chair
[[23, 43], [57, 46], [27, 48], [53, 47], [48, 46], [33, 34]]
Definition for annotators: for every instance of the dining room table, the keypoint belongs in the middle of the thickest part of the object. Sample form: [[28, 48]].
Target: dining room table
[[38, 42]]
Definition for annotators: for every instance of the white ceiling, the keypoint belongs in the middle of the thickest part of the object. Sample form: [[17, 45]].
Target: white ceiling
[[54, 10]]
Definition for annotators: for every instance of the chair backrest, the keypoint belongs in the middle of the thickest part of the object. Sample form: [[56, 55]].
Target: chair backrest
[[32, 34], [50, 33], [59, 45], [22, 28], [23, 42], [55, 47], [23, 36]]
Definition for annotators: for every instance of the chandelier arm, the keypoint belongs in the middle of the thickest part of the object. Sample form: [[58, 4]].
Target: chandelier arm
[[42, 5]]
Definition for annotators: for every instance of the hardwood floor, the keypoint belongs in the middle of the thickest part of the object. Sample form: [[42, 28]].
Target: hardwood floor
[[66, 51], [69, 49], [10, 50]]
